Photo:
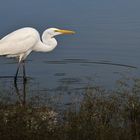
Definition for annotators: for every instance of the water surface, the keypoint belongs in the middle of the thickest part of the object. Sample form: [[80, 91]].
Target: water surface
[[106, 44]]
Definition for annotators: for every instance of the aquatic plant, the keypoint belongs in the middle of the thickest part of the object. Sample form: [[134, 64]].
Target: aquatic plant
[[101, 115]]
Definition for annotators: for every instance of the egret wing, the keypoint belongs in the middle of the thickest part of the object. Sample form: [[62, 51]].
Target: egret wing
[[17, 47], [20, 34]]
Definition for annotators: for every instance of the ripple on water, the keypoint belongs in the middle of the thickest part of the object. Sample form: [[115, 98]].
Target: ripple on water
[[85, 61]]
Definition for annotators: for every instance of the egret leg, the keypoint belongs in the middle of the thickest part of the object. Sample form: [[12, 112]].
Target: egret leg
[[24, 71], [15, 79]]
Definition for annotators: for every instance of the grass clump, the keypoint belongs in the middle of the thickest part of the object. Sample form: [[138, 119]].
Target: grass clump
[[26, 122], [105, 117]]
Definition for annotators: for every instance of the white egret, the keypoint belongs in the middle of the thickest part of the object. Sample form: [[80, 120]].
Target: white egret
[[22, 42]]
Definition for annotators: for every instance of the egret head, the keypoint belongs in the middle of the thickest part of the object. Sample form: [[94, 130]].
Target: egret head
[[55, 31]]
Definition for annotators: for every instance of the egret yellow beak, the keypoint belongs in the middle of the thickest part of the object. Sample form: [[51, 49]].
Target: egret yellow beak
[[65, 31]]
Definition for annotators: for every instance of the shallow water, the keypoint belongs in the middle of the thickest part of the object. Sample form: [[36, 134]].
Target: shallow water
[[105, 46]]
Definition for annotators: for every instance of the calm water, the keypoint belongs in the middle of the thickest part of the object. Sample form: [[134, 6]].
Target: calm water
[[106, 46]]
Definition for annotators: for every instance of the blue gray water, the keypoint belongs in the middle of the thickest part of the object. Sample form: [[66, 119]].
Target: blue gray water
[[106, 44]]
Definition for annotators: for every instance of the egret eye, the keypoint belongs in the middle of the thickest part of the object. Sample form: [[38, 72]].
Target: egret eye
[[56, 31]]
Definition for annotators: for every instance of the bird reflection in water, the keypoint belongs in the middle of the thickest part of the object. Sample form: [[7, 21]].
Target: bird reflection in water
[[17, 88], [21, 93]]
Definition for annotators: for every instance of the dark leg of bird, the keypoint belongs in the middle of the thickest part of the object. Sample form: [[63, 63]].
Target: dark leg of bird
[[24, 71], [15, 79]]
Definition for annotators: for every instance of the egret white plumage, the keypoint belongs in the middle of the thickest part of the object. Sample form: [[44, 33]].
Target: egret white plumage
[[22, 42]]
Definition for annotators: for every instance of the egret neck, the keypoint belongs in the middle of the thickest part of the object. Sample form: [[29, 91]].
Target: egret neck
[[47, 44]]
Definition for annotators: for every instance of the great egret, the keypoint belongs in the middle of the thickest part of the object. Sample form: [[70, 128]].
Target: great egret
[[22, 42]]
